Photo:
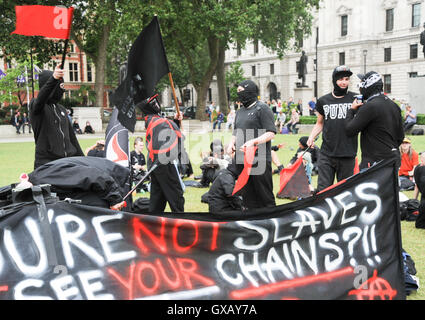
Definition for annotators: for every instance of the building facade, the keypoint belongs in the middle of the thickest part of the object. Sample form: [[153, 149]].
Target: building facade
[[365, 35]]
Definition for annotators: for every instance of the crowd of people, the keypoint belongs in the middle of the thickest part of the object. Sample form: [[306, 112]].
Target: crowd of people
[[341, 116]]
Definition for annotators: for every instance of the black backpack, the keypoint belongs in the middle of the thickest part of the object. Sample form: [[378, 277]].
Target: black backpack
[[409, 210], [417, 132]]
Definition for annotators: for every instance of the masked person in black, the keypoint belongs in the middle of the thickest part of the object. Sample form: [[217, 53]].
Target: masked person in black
[[254, 125], [166, 184], [338, 150], [53, 133], [220, 196], [378, 119]]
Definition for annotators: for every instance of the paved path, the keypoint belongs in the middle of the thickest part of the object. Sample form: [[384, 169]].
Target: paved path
[[192, 126]]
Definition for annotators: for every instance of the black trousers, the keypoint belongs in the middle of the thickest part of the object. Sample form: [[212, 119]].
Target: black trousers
[[368, 162], [166, 187], [258, 191], [331, 167]]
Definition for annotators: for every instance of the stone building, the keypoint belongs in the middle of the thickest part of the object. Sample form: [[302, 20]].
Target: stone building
[[379, 35]]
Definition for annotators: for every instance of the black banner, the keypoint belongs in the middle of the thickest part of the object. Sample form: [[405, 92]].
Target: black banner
[[342, 244]]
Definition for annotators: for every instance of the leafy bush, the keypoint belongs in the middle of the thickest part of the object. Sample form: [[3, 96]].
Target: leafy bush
[[308, 119], [69, 103], [420, 118]]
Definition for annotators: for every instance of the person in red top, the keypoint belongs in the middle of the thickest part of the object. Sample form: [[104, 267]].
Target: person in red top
[[409, 160]]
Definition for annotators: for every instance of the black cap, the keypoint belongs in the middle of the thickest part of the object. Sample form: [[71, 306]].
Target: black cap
[[370, 78], [342, 70]]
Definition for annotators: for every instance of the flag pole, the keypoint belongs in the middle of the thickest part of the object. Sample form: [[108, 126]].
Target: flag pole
[[174, 93], [32, 74], [64, 53]]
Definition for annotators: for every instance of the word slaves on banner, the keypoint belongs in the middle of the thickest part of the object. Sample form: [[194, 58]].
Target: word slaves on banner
[[342, 244]]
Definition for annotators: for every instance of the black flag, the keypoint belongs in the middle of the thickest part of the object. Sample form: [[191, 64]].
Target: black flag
[[147, 64]]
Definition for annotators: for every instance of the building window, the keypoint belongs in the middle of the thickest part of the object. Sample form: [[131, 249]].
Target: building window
[[272, 68], [413, 74], [73, 72], [387, 54], [89, 73], [255, 46], [413, 51], [387, 83], [342, 58], [300, 41], [416, 14], [344, 25], [238, 49], [253, 71], [71, 48], [389, 21]]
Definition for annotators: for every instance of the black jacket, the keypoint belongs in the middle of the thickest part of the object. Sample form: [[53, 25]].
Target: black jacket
[[380, 123], [94, 181], [53, 134], [220, 194]]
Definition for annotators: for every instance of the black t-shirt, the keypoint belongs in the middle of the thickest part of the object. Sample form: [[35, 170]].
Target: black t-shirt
[[336, 143], [250, 123], [137, 158], [419, 175]]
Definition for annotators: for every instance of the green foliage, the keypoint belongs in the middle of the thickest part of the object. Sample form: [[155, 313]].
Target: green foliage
[[13, 91], [18, 47], [420, 118], [308, 119], [234, 76], [84, 96], [69, 102]]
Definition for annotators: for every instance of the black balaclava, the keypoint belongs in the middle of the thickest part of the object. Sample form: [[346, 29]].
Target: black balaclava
[[249, 95], [338, 73], [303, 141], [370, 84], [150, 106], [57, 93], [234, 169]]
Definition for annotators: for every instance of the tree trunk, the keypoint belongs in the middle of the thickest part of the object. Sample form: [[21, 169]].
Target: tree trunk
[[221, 82], [202, 89], [100, 63]]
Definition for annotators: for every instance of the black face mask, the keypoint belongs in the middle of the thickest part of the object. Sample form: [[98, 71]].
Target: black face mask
[[246, 98], [249, 95], [57, 94], [338, 91]]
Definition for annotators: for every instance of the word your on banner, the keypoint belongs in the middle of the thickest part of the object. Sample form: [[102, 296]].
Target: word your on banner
[[342, 244]]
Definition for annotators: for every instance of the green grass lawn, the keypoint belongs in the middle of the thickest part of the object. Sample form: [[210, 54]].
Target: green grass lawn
[[16, 158]]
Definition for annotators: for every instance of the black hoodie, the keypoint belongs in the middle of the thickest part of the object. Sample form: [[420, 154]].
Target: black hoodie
[[220, 196], [53, 133]]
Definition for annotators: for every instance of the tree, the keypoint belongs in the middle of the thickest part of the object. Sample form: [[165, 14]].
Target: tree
[[18, 47], [234, 76], [197, 27], [15, 86], [273, 22]]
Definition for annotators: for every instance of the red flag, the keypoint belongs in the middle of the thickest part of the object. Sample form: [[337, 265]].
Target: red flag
[[46, 21], [244, 176], [299, 182], [356, 167]]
